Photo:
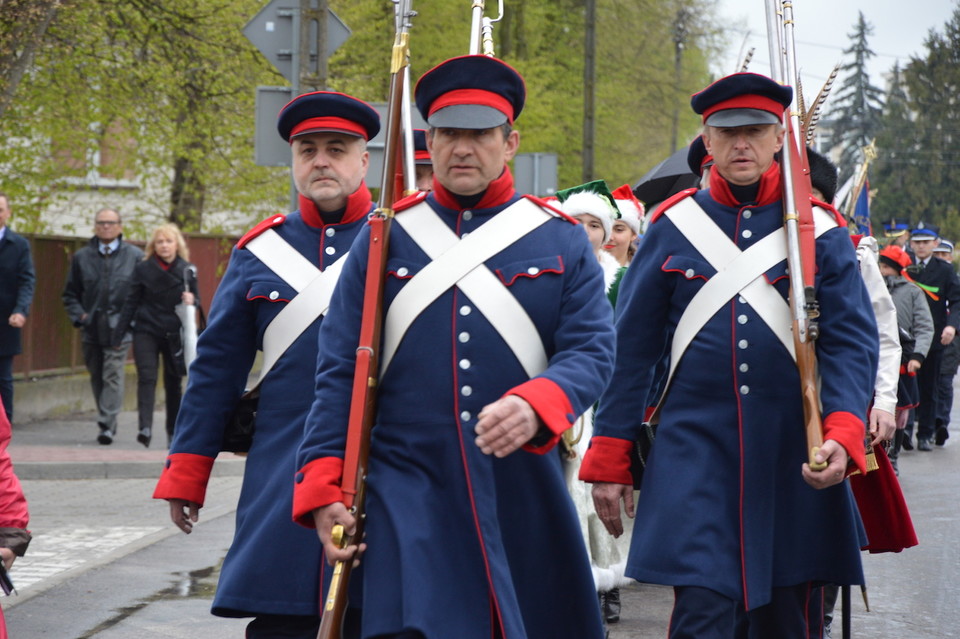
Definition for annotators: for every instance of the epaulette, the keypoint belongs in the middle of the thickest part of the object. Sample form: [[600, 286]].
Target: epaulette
[[552, 209], [269, 223], [407, 202], [841, 221], [670, 201]]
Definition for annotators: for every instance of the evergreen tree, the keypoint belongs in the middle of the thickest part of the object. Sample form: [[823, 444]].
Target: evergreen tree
[[858, 104], [896, 176], [933, 83]]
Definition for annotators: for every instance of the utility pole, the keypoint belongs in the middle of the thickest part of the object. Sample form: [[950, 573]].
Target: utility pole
[[313, 20], [589, 88], [679, 39]]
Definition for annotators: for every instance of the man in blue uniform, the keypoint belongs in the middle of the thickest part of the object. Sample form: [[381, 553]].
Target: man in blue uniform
[[469, 530], [730, 513], [273, 568]]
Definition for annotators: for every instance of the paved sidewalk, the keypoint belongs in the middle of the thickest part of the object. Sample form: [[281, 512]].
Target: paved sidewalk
[[67, 448]]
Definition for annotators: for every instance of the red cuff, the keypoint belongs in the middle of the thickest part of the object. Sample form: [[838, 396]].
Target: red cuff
[[317, 484], [552, 406], [184, 476], [848, 430], [607, 460]]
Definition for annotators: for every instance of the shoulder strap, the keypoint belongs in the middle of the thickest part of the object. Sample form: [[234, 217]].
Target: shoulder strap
[[455, 262]]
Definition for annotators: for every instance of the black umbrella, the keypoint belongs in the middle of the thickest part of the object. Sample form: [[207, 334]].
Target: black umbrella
[[670, 176]]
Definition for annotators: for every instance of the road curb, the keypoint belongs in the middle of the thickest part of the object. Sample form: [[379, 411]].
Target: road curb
[[60, 470]]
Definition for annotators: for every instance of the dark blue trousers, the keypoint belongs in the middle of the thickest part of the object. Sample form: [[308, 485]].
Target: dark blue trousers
[[701, 613]]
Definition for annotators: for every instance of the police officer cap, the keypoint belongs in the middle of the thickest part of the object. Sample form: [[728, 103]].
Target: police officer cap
[[327, 111], [420, 153], [945, 246], [924, 231], [470, 92], [742, 99], [895, 229]]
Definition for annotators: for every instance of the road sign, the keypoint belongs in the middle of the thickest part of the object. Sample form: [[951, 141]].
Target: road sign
[[535, 173], [275, 32], [269, 149]]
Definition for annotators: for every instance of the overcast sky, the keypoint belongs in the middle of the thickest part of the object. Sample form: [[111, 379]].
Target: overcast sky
[[822, 27]]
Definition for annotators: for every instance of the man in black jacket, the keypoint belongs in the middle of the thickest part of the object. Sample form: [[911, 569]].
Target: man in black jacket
[[96, 288], [17, 280], [939, 280]]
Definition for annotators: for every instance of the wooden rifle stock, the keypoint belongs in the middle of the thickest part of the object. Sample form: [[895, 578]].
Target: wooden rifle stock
[[363, 398]]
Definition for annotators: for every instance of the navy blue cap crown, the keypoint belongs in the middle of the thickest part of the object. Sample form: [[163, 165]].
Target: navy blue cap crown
[[742, 99], [470, 92], [327, 111], [696, 154], [925, 231]]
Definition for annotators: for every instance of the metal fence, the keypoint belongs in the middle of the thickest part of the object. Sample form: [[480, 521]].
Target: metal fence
[[51, 345]]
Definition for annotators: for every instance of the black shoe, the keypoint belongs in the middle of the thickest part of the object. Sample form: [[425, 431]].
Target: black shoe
[[941, 436], [923, 444], [144, 437], [105, 438], [907, 442], [611, 605]]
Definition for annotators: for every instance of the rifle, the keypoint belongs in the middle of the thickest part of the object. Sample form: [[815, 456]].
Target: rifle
[[363, 398], [481, 29], [798, 222]]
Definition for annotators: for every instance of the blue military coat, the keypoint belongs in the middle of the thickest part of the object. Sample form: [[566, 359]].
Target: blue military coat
[[723, 503], [273, 565], [460, 542]]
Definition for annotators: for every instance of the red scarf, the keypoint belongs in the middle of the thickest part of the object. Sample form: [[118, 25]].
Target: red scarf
[[358, 205], [498, 192], [768, 193]]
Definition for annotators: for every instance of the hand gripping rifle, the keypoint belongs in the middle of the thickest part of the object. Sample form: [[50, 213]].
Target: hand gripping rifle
[[363, 398], [798, 222]]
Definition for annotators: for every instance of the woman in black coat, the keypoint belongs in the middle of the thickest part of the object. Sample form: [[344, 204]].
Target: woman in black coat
[[161, 281]]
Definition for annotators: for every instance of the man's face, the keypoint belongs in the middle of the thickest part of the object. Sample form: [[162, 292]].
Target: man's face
[[743, 153], [424, 177], [4, 211], [328, 167], [923, 248], [466, 161], [946, 256], [107, 226]]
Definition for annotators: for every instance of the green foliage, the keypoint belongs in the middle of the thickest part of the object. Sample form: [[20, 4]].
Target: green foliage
[[153, 102], [858, 105], [918, 170]]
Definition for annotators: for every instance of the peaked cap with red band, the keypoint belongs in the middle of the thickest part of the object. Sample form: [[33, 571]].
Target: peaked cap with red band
[[327, 111], [470, 92], [420, 153], [742, 99]]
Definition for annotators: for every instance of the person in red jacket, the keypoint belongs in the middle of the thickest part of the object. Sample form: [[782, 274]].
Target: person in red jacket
[[14, 536]]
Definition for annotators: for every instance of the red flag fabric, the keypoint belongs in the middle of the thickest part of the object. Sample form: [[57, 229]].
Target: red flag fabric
[[883, 508]]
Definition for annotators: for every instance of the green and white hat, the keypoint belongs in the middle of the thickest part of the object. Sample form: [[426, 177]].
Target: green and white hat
[[593, 198]]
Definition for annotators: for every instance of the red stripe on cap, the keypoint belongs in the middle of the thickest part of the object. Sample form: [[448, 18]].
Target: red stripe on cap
[[746, 102], [421, 155], [329, 123], [473, 96]]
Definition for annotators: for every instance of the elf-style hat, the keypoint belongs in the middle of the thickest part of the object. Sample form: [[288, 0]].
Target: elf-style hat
[[327, 111], [470, 92], [742, 99], [420, 153], [631, 209], [592, 198]]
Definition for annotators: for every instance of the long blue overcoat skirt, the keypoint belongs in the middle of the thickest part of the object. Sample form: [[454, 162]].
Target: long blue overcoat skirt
[[723, 504], [273, 566], [460, 542]]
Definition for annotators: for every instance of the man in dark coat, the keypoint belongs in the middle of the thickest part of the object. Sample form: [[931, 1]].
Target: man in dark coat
[[17, 279], [97, 285], [731, 514], [940, 281]]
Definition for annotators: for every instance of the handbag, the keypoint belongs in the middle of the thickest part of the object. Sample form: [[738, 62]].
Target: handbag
[[238, 434]]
